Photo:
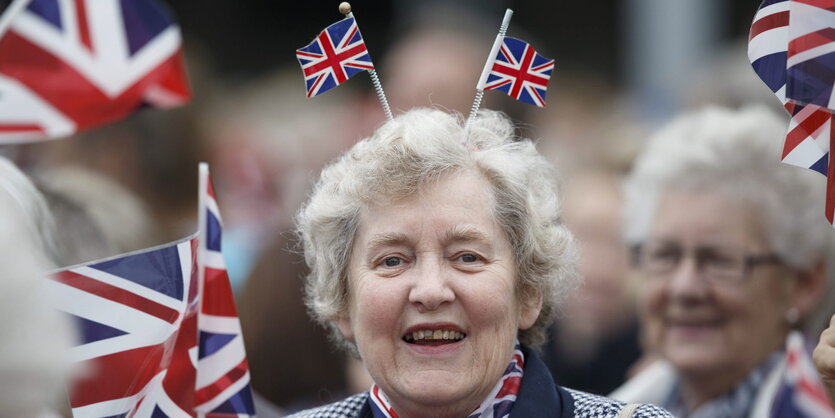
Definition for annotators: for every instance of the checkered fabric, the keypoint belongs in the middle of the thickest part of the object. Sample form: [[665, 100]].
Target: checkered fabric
[[346, 408], [586, 405]]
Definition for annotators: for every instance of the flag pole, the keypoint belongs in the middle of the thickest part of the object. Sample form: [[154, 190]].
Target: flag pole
[[345, 8], [488, 66], [11, 12], [202, 234]]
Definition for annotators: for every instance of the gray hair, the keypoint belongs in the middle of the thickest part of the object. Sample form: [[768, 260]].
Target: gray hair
[[415, 149], [38, 220], [735, 152], [34, 356]]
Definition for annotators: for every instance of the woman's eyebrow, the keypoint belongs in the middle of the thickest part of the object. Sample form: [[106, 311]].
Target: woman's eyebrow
[[465, 234], [384, 240]]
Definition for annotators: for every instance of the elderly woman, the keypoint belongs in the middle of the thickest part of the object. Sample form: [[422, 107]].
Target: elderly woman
[[731, 249], [437, 255]]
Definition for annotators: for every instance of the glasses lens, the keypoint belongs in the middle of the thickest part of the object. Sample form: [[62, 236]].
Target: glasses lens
[[658, 258], [721, 264]]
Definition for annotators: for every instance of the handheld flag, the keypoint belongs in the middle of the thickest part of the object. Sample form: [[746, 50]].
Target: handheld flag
[[160, 332], [801, 393], [69, 66], [223, 387], [137, 317], [336, 55], [520, 71], [792, 49]]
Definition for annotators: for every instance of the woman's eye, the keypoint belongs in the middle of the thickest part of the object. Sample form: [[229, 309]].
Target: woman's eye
[[392, 261], [468, 258]]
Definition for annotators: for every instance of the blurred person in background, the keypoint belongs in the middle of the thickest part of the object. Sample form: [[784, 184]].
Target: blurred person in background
[[437, 58], [731, 249], [99, 218], [34, 361], [588, 133], [595, 340]]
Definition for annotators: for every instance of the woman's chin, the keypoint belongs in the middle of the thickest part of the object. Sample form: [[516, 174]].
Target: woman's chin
[[697, 359], [434, 391]]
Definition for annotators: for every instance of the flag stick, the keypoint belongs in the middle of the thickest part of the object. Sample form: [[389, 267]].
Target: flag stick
[[488, 66], [345, 8], [11, 12], [202, 233]]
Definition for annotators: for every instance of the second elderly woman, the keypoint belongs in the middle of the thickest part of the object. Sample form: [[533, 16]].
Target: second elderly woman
[[438, 257], [731, 247]]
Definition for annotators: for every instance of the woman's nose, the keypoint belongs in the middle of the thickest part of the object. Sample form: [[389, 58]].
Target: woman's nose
[[685, 281], [431, 288]]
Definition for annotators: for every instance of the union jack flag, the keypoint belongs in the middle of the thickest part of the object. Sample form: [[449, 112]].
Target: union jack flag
[[66, 66], [520, 71], [792, 49], [801, 393], [137, 317], [223, 388], [337, 54], [160, 333]]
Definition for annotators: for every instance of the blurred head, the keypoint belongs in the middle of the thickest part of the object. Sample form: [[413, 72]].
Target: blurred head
[[592, 209], [729, 242], [37, 220], [33, 355], [99, 217], [430, 253]]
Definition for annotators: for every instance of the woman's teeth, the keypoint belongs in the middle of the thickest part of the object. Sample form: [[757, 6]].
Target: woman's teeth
[[434, 335]]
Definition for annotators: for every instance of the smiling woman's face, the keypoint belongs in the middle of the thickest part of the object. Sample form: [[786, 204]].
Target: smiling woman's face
[[433, 308], [718, 331]]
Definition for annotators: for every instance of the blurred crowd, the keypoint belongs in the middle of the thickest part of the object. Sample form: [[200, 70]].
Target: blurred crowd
[[132, 185]]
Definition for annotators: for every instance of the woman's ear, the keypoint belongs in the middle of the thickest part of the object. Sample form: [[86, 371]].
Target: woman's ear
[[344, 324], [530, 312], [809, 288]]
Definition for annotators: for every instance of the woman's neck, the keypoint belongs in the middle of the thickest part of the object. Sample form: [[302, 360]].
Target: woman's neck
[[696, 390]]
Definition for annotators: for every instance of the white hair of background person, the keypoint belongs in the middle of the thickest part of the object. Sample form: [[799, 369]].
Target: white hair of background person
[[35, 337], [737, 153], [37, 219], [415, 149], [98, 216]]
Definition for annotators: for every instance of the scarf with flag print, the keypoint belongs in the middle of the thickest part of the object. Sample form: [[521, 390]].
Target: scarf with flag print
[[497, 404]]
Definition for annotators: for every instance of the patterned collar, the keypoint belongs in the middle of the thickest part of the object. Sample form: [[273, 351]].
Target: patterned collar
[[497, 404], [735, 403]]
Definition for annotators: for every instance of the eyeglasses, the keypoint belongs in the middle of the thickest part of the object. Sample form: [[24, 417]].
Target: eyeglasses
[[660, 259]]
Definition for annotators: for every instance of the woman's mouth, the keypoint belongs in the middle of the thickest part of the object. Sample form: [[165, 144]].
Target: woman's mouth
[[433, 337]]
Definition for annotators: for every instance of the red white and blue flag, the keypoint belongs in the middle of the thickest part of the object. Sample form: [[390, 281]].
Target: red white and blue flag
[[520, 71], [160, 333], [137, 317], [801, 393], [792, 49], [223, 381], [337, 54], [69, 65]]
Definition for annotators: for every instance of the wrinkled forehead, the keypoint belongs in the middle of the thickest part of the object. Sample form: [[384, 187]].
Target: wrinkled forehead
[[458, 204]]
